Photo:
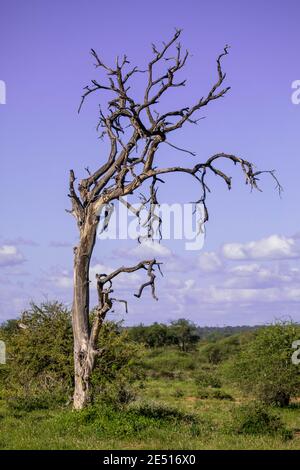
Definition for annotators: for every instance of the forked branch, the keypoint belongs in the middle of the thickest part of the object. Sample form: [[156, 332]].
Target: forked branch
[[123, 173]]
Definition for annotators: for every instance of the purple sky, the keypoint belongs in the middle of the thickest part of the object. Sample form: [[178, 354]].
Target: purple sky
[[249, 269]]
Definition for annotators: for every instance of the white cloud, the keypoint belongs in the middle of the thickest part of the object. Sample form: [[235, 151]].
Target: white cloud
[[60, 278], [270, 248], [210, 262], [10, 255], [245, 283], [245, 269], [63, 281], [151, 249], [220, 295]]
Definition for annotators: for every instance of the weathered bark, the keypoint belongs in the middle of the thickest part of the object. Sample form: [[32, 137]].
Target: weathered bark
[[83, 357], [86, 336]]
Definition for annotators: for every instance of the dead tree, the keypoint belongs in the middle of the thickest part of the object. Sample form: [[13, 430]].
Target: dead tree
[[135, 131]]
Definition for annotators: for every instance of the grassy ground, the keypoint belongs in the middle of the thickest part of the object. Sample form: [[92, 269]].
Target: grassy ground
[[169, 413]]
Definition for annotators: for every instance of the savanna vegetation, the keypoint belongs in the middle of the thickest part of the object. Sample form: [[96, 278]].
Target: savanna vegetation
[[175, 386]]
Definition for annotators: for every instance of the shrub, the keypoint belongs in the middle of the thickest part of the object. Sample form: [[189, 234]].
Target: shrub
[[117, 393], [39, 346], [39, 357], [161, 411], [264, 367], [39, 370], [34, 401], [256, 418], [104, 419], [207, 378]]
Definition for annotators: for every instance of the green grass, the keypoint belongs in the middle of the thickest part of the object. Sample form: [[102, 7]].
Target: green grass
[[168, 414], [105, 428]]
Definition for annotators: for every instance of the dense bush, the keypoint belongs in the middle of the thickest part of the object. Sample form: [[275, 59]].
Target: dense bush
[[137, 420], [161, 411], [255, 418], [208, 378], [264, 367], [39, 370], [39, 356]]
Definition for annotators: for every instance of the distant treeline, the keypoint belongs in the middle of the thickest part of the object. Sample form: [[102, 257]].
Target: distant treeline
[[183, 333]]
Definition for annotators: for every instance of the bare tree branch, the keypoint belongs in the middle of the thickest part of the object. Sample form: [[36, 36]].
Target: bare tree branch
[[148, 265], [135, 131]]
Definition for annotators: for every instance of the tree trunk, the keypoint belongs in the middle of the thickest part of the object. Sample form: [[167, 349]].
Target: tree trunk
[[83, 357]]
